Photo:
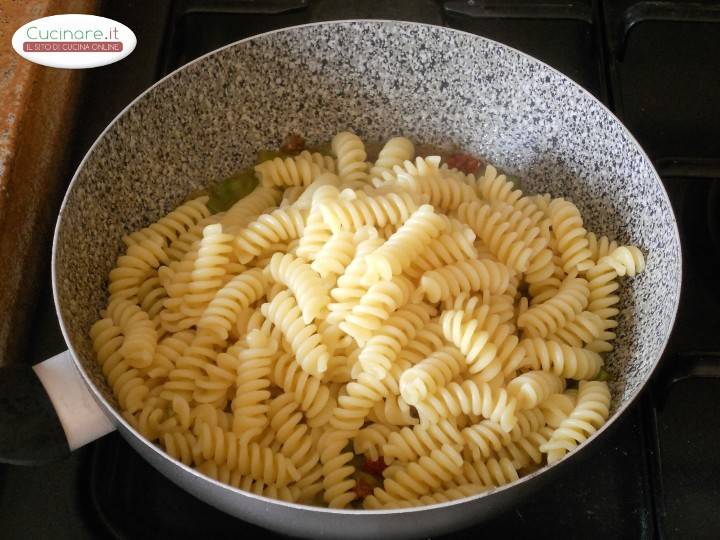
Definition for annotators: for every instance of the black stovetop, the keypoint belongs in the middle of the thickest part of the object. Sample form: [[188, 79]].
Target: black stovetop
[[656, 473]]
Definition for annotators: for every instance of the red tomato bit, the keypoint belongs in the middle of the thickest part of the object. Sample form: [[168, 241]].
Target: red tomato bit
[[374, 467], [362, 489], [293, 143], [464, 162]]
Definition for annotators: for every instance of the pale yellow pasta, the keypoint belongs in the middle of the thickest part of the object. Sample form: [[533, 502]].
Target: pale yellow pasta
[[553, 314], [350, 214], [450, 247], [280, 225], [571, 236], [309, 349], [433, 373], [383, 348], [376, 306], [534, 387], [402, 313], [423, 177], [397, 254], [350, 152], [292, 171], [395, 152], [448, 281], [590, 412], [248, 208], [303, 281], [564, 360], [409, 444], [178, 222]]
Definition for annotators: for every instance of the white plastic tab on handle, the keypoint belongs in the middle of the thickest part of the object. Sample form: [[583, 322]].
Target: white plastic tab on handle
[[81, 418]]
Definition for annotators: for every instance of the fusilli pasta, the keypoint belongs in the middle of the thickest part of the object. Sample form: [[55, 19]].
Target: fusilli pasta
[[379, 335]]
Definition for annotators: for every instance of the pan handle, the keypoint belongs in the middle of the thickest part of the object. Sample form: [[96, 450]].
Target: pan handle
[[46, 411]]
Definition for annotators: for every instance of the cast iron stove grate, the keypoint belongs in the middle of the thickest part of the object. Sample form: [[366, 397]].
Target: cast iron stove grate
[[656, 473]]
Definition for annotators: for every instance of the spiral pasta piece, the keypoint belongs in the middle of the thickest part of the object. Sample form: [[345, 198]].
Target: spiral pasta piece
[[450, 247], [350, 152], [351, 286], [363, 210], [591, 412], [433, 373], [334, 257], [491, 473], [534, 387], [600, 246], [209, 270], [395, 152], [297, 442], [550, 316], [371, 440], [309, 391], [327, 186], [361, 395], [458, 492], [337, 468], [143, 256], [496, 231], [571, 236], [485, 439], [625, 260], [247, 483], [176, 223], [150, 297], [465, 276], [423, 477], [409, 444], [254, 364], [182, 445], [563, 360], [303, 281], [494, 187], [423, 177], [382, 349], [235, 296], [398, 252], [486, 343], [393, 411], [291, 171], [168, 351], [248, 208], [306, 343], [586, 328], [316, 232], [375, 307], [280, 225], [126, 382], [472, 396], [557, 408], [501, 305], [262, 464], [523, 452], [140, 336]]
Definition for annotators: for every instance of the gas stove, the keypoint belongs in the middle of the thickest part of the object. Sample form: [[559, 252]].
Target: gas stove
[[656, 473]]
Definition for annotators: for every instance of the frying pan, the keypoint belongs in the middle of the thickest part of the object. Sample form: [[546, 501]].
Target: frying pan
[[379, 79]]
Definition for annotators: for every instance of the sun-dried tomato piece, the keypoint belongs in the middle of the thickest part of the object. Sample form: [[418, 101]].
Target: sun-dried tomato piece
[[374, 467], [362, 489], [464, 162], [293, 144]]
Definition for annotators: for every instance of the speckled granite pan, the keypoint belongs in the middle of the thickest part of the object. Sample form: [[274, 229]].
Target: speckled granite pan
[[378, 79]]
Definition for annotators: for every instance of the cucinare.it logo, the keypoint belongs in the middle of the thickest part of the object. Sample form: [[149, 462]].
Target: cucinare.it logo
[[74, 41]]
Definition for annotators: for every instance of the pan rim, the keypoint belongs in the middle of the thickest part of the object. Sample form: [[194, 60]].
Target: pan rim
[[117, 418]]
